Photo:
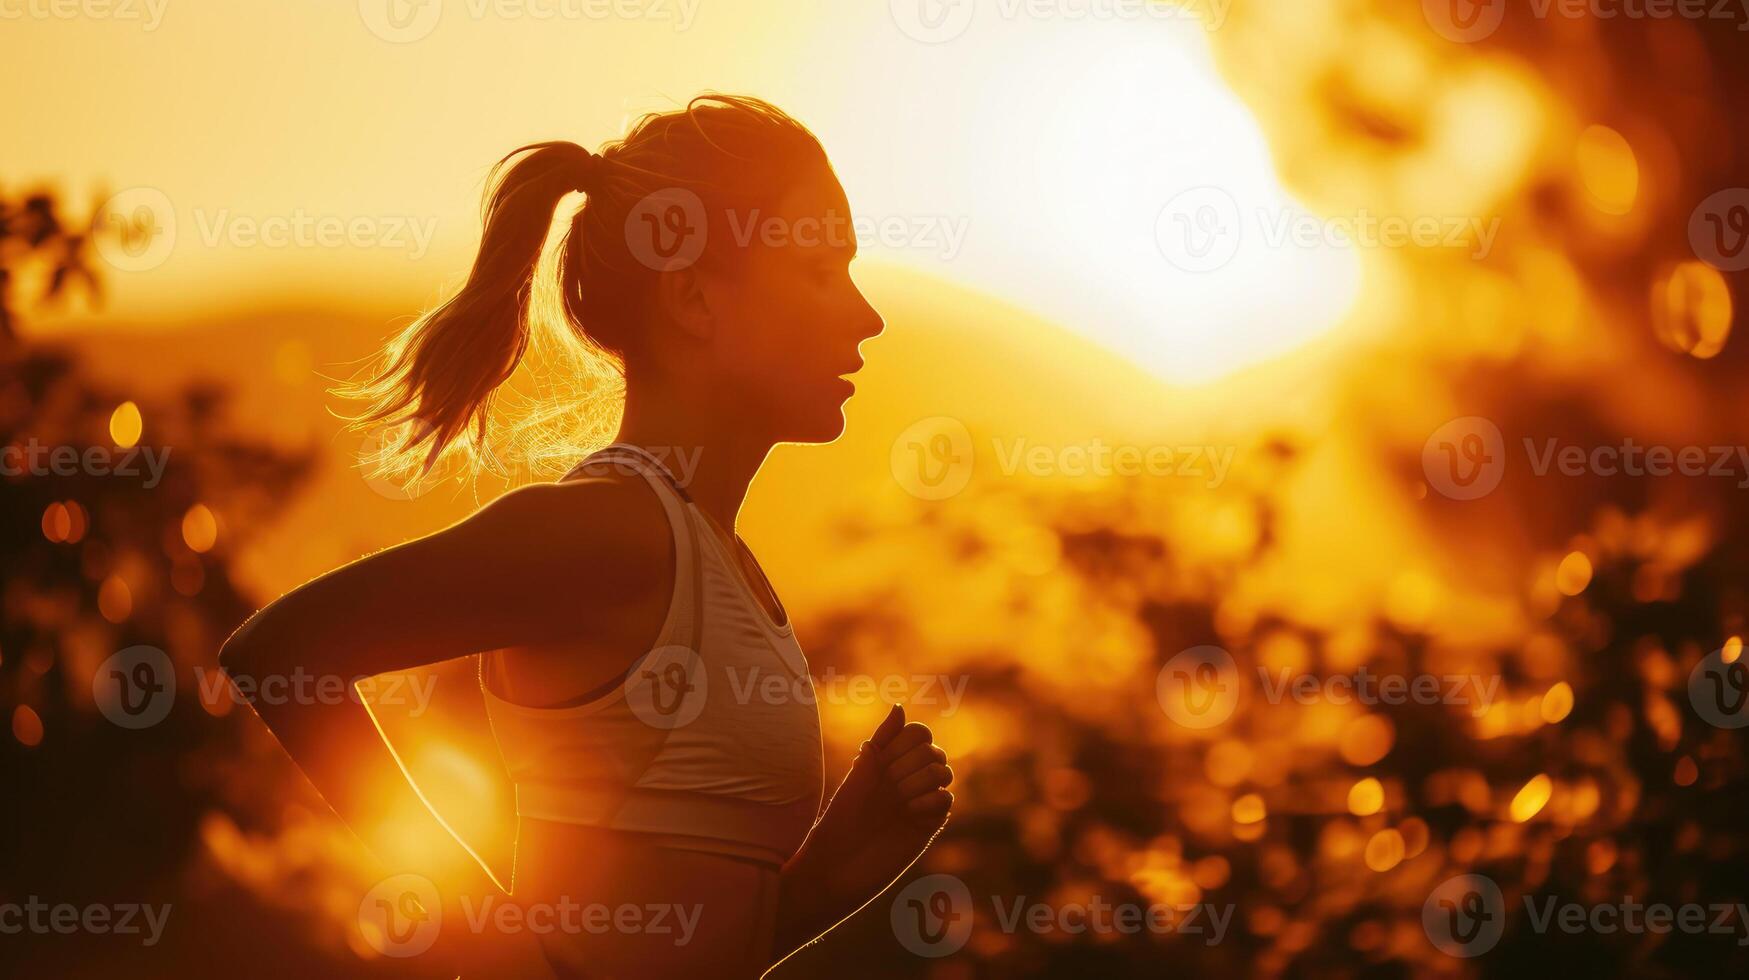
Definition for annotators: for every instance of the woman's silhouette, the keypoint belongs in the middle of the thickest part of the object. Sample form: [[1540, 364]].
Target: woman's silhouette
[[620, 617]]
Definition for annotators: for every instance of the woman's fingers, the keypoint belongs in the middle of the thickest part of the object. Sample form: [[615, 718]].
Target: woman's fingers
[[930, 777], [908, 738], [931, 805], [916, 760], [916, 768], [889, 727], [920, 757]]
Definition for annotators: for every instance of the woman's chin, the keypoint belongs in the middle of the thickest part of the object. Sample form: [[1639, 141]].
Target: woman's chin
[[823, 426]]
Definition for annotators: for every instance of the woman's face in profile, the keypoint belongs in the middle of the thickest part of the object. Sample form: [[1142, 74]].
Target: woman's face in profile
[[790, 316]]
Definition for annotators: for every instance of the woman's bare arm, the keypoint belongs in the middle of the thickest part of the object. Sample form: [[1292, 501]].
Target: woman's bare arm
[[534, 566], [889, 808]]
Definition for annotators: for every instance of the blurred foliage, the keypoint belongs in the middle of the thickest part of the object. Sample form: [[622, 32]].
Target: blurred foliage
[[32, 234], [98, 561], [1077, 784]]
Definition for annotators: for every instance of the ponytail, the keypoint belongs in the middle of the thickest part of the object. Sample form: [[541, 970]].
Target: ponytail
[[437, 377]]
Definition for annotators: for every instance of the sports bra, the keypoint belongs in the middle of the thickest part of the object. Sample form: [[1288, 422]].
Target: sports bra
[[710, 740]]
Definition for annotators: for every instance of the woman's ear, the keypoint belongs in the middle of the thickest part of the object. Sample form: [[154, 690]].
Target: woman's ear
[[682, 299]]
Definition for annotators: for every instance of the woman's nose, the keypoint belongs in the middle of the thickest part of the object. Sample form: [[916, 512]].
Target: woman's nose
[[868, 321]]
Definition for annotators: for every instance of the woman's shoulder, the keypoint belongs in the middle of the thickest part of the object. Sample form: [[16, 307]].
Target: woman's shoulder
[[611, 528]]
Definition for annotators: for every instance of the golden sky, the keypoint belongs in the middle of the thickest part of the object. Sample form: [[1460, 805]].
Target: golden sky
[[340, 147]]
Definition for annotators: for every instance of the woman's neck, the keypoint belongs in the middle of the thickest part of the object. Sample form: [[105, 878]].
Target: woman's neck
[[711, 453]]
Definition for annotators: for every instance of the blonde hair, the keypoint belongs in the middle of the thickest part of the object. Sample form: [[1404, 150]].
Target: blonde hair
[[431, 391]]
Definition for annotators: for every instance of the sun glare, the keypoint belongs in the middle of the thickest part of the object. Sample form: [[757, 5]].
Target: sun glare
[[1103, 175]]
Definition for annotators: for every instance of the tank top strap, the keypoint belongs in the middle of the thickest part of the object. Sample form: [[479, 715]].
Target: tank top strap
[[683, 624], [635, 458], [685, 621]]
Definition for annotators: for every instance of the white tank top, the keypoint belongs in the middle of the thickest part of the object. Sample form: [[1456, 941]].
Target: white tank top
[[711, 740]]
